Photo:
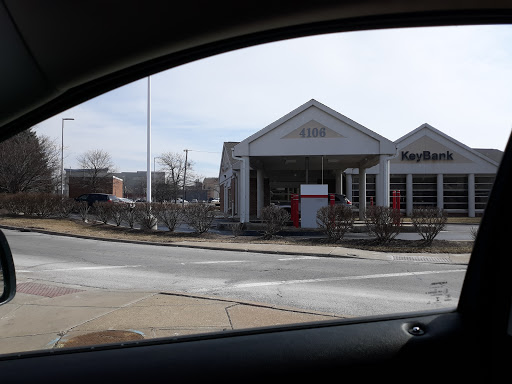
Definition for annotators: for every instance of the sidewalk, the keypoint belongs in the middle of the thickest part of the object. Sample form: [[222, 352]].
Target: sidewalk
[[47, 315], [53, 316]]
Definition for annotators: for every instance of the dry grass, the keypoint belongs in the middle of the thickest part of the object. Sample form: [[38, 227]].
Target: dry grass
[[97, 230]]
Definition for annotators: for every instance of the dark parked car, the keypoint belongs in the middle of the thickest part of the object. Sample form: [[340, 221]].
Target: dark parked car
[[92, 198]]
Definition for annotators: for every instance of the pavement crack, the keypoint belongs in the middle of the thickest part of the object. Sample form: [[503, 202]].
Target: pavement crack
[[227, 314]]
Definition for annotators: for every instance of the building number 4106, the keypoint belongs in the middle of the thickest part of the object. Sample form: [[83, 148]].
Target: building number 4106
[[312, 132]]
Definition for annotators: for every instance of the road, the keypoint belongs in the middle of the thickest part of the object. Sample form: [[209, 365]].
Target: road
[[343, 286]]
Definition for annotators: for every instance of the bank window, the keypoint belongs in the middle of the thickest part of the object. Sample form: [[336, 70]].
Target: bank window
[[424, 191], [455, 190]]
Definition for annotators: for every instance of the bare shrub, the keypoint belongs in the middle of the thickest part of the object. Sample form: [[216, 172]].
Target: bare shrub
[[83, 209], [144, 216], [43, 204], [428, 222], [474, 232], [117, 212], [199, 216], [129, 214], [383, 222], [237, 229], [15, 204], [65, 207], [103, 211], [335, 221], [169, 214], [274, 219]]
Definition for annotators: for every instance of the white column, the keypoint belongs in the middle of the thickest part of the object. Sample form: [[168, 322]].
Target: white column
[[245, 175], [260, 190], [382, 187], [440, 191], [362, 192], [409, 194], [349, 186], [471, 195], [339, 182]]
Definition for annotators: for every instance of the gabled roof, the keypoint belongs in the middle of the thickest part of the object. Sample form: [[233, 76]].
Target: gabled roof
[[386, 144], [227, 156], [483, 154]]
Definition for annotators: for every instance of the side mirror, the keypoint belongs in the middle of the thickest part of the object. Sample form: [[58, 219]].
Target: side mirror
[[7, 272]]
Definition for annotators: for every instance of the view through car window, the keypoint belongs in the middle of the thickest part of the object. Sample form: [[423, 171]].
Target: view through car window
[[314, 179]]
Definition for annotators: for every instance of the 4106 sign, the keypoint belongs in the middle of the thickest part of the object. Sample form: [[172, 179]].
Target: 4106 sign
[[312, 132]]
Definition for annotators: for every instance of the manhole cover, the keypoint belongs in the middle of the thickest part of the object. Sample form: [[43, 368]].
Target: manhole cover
[[102, 337], [44, 290], [425, 259]]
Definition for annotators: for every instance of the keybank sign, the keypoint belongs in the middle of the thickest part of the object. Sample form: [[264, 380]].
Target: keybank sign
[[426, 155]]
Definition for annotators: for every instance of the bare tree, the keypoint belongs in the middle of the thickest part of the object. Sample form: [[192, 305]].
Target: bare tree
[[174, 164], [98, 164], [28, 163]]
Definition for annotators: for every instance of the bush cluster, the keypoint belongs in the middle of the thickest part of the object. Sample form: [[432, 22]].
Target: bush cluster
[[147, 215], [274, 219], [37, 204], [428, 222], [335, 221], [198, 216], [383, 222]]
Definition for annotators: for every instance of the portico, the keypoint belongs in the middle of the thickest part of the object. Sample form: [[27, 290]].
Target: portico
[[312, 144]]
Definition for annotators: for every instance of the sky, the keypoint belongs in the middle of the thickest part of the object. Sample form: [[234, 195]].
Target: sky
[[457, 79]]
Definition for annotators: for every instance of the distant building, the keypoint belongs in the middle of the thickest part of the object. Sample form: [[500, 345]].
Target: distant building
[[80, 181], [211, 186], [134, 183]]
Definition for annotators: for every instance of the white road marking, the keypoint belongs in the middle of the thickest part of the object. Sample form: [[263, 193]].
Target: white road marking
[[327, 279], [299, 258], [220, 262], [80, 268]]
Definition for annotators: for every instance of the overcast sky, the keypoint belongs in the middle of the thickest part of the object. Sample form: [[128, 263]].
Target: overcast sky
[[457, 79]]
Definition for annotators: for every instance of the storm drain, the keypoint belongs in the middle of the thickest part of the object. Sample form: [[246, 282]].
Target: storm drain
[[422, 259], [44, 290]]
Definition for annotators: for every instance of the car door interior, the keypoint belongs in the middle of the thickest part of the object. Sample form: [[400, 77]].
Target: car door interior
[[468, 342]]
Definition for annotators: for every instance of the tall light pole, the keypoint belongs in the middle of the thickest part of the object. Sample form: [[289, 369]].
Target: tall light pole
[[62, 157], [148, 168], [185, 177]]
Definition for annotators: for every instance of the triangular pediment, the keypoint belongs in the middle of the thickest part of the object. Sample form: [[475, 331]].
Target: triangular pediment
[[314, 129], [428, 145]]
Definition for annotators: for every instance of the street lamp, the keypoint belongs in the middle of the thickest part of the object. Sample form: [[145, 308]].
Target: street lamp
[[62, 158], [185, 176]]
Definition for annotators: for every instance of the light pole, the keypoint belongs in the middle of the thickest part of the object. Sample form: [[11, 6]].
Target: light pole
[[62, 158], [185, 177]]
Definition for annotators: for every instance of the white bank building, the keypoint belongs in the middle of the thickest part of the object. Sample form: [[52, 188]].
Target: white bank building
[[314, 144]]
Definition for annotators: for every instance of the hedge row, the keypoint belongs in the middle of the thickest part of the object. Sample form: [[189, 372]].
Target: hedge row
[[147, 215]]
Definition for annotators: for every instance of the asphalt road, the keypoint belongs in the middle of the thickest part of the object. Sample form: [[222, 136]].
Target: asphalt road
[[349, 287]]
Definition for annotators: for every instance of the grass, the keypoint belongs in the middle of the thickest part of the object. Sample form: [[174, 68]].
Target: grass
[[106, 231]]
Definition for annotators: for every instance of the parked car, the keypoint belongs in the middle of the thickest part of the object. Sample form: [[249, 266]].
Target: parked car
[[342, 199], [92, 198]]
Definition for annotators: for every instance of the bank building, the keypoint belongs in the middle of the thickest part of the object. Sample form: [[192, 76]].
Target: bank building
[[315, 145]]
